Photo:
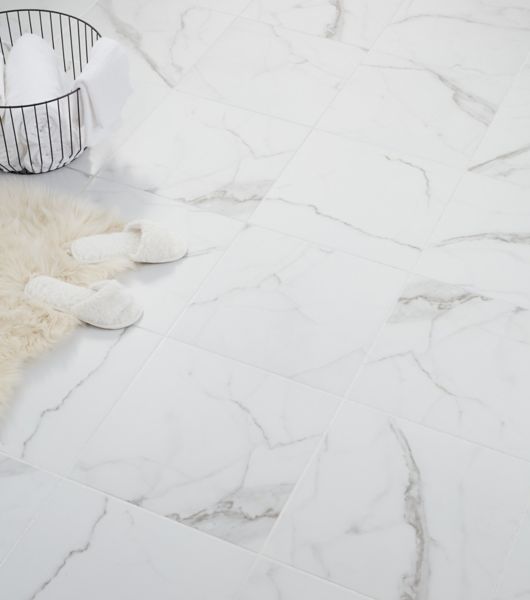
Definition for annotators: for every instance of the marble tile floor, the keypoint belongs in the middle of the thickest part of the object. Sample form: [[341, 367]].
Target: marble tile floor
[[329, 397]]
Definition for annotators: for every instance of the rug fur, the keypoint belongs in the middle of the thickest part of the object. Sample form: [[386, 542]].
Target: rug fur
[[36, 228]]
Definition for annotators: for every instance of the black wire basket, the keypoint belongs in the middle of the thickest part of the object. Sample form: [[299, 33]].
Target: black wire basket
[[42, 137]]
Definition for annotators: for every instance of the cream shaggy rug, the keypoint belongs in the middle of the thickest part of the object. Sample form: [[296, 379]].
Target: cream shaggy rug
[[36, 228]]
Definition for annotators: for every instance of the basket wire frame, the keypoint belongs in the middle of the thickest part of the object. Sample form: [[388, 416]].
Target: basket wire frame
[[47, 135]]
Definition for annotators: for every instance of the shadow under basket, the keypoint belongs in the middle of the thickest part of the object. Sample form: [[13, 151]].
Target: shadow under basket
[[42, 137]]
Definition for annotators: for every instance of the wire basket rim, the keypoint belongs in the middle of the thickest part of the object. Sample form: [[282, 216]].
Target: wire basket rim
[[46, 10], [55, 12]]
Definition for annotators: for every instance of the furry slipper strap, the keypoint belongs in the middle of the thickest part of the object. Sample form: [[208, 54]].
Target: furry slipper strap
[[105, 304], [141, 241]]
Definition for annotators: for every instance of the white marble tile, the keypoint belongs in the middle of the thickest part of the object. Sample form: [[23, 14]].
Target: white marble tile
[[65, 394], [494, 13], [233, 7], [357, 198], [206, 154], [505, 151], [293, 308], [167, 36], [456, 361], [276, 71], [483, 240], [22, 491], [393, 510], [476, 40], [433, 83], [86, 546], [219, 446], [514, 582], [272, 581], [406, 106], [357, 22], [163, 290]]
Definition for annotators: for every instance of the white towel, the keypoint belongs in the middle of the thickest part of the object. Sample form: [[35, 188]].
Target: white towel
[[33, 75], [105, 86]]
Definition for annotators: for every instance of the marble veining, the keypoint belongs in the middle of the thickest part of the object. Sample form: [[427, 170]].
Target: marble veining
[[273, 70], [321, 198], [382, 492], [505, 150], [354, 22], [206, 155], [252, 447], [327, 398], [279, 290], [482, 240], [450, 358], [82, 379], [81, 535]]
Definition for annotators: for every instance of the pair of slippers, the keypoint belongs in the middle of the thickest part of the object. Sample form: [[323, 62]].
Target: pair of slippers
[[108, 304]]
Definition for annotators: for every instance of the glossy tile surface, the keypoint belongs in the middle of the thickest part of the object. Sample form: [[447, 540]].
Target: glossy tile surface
[[505, 150], [482, 241], [273, 70], [65, 394], [357, 22], [438, 513], [22, 491], [453, 359], [299, 310], [219, 447], [86, 545], [364, 210], [328, 397], [206, 154]]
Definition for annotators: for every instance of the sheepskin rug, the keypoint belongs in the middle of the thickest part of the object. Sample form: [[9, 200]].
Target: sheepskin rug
[[37, 226]]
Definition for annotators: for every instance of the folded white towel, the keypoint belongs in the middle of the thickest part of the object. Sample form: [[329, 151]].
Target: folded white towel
[[34, 75], [104, 85]]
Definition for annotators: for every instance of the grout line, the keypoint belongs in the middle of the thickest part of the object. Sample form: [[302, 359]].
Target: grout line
[[64, 478], [38, 510], [515, 77], [320, 578]]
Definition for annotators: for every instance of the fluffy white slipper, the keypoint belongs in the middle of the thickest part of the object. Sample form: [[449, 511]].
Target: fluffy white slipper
[[106, 304], [141, 241]]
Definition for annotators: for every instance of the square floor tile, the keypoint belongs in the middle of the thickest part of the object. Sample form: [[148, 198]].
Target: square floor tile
[[219, 446], [86, 546], [207, 155], [433, 82], [292, 308], [357, 22], [270, 581], [163, 290], [393, 510], [505, 150], [456, 361], [357, 198], [482, 241], [167, 36], [272, 70], [407, 106], [22, 491], [65, 394]]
